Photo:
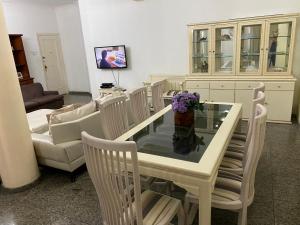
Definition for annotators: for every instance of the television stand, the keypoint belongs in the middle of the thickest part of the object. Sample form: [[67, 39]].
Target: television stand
[[115, 91]]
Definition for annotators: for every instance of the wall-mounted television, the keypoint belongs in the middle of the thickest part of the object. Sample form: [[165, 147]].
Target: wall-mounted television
[[111, 57]]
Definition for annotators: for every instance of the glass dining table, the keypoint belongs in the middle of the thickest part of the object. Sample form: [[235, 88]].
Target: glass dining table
[[188, 155]]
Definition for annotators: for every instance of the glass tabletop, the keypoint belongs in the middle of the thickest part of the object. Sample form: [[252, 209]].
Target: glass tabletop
[[168, 136]]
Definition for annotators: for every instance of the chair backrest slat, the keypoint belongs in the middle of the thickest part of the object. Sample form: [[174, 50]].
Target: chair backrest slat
[[139, 105], [261, 87], [253, 153], [157, 89], [114, 120], [109, 168], [260, 99]]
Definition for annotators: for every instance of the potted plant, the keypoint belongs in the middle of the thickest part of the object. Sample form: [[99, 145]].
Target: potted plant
[[183, 105]]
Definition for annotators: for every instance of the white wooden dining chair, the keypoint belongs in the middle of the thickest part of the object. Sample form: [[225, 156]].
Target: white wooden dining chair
[[139, 105], [240, 135], [114, 123], [157, 89], [121, 202], [233, 192], [114, 120], [234, 158]]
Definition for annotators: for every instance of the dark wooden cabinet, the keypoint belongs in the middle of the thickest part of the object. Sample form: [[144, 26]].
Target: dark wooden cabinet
[[20, 58]]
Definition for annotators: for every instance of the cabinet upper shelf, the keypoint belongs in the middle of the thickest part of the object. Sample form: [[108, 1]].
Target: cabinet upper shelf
[[258, 46]]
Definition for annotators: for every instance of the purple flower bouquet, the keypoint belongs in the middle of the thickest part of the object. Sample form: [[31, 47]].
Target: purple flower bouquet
[[186, 101], [184, 105]]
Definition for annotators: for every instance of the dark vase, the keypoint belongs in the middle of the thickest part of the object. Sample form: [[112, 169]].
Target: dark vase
[[184, 119]]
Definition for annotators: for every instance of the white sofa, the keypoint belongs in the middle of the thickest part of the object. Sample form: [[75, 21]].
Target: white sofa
[[63, 148]]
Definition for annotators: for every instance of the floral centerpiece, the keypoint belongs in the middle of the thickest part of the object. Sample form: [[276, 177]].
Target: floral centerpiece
[[183, 105]]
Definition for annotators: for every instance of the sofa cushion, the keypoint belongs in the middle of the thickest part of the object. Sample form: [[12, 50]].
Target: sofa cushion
[[46, 99], [30, 91], [30, 105], [74, 114]]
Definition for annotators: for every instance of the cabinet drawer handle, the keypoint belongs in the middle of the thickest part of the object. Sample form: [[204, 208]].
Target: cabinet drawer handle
[[249, 86], [279, 86], [222, 85]]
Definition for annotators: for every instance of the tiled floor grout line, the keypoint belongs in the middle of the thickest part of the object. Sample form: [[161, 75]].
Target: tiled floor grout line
[[270, 152]]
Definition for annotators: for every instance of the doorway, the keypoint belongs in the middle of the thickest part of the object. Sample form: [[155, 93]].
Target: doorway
[[53, 62]]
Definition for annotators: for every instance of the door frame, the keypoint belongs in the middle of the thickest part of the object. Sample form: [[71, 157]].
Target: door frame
[[61, 66]]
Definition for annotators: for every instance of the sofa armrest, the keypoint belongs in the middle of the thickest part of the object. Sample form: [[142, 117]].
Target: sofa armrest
[[71, 131], [46, 151], [51, 93]]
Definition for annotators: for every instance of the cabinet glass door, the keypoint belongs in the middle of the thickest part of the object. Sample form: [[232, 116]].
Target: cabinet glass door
[[250, 49], [200, 50], [278, 47], [223, 51]]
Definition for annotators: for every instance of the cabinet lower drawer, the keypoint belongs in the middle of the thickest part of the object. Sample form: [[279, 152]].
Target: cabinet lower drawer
[[204, 93], [196, 84], [221, 95], [246, 85], [283, 86], [223, 85]]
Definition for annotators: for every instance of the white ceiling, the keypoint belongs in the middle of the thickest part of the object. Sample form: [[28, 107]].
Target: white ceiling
[[48, 2]]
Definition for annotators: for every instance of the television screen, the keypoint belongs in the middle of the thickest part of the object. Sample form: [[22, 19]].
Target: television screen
[[111, 57]]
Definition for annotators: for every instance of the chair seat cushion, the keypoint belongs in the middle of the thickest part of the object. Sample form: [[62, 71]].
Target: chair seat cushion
[[47, 98], [234, 154], [232, 165], [162, 208], [236, 142]]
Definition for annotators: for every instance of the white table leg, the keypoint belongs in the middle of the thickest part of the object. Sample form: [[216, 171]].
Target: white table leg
[[205, 204]]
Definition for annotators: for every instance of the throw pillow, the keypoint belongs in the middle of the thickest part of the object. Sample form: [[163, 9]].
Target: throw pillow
[[74, 114]]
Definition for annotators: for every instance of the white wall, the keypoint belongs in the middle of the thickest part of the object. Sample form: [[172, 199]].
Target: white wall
[[32, 17], [155, 31], [69, 26], [29, 19]]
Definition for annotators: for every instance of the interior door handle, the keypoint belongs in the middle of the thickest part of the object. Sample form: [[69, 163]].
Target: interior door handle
[[46, 67]]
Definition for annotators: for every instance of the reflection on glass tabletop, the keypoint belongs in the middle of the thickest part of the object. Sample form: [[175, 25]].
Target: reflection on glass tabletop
[[164, 137]]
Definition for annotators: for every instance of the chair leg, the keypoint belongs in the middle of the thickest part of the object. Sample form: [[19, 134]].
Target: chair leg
[[242, 220], [181, 216], [73, 176], [186, 207], [190, 210]]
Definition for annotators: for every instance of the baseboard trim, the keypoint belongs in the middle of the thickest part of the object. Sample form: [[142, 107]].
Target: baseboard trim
[[80, 93]]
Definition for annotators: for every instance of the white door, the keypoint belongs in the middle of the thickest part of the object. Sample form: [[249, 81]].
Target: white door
[[53, 62]]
